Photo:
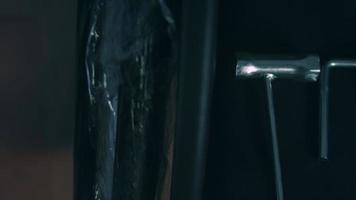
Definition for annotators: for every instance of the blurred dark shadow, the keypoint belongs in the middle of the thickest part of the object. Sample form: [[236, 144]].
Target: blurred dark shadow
[[37, 98]]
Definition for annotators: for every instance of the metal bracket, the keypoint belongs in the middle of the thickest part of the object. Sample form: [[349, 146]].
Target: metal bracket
[[305, 69], [324, 144]]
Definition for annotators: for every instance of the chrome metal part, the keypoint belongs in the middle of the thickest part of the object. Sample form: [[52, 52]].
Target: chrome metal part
[[324, 115], [304, 69]]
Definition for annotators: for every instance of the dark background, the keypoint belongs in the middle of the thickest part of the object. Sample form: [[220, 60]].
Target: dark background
[[37, 87], [37, 98], [240, 164]]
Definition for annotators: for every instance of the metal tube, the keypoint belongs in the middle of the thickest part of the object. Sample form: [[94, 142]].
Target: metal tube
[[274, 137], [304, 69], [324, 136]]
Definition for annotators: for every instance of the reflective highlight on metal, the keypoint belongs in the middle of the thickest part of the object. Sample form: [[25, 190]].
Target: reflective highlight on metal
[[324, 144], [305, 69]]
